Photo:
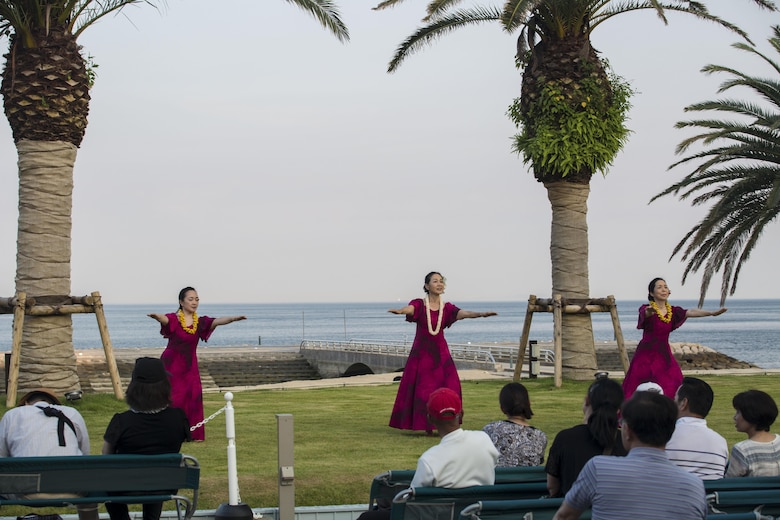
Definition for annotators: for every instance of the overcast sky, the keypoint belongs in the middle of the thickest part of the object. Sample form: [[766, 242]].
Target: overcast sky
[[245, 151]]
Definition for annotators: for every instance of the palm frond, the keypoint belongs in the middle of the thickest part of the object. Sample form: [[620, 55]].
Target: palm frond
[[437, 8], [516, 13], [328, 15], [737, 174], [693, 8], [386, 4], [439, 27]]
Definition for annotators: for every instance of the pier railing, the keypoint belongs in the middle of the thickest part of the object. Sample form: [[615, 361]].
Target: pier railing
[[469, 352]]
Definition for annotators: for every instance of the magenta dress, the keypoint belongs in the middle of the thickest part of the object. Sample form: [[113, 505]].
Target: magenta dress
[[429, 366], [181, 362], [653, 360]]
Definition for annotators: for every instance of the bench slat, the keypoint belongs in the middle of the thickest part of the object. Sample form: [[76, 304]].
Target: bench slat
[[140, 478]]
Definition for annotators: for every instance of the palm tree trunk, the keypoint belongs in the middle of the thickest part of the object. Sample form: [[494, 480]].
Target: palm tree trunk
[[43, 261], [569, 257]]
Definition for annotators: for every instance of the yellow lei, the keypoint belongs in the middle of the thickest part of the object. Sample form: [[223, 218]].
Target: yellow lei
[[666, 318], [192, 329]]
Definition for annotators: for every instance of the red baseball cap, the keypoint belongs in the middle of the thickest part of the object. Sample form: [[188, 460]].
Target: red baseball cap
[[444, 404]]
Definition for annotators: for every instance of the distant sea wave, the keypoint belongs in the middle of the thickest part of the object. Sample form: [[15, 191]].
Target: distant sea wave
[[749, 331]]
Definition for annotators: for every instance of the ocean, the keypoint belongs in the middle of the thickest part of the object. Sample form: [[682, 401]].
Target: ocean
[[749, 331]]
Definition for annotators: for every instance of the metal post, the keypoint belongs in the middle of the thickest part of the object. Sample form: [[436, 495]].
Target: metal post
[[284, 431], [234, 509], [533, 359]]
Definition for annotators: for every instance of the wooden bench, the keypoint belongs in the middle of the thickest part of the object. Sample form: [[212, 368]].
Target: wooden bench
[[139, 479]]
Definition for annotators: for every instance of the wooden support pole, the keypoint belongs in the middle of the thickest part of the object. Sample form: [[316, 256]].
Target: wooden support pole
[[16, 350], [88, 299], [529, 313], [56, 305], [8, 305], [560, 306], [618, 333], [116, 381], [557, 339], [567, 308], [53, 310]]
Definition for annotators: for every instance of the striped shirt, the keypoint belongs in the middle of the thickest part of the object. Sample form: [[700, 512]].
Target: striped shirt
[[698, 449], [644, 484], [755, 459]]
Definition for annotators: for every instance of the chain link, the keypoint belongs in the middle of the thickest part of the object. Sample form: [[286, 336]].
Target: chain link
[[207, 419]]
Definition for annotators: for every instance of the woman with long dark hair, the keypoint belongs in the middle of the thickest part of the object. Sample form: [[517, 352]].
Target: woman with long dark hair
[[653, 360], [430, 365], [599, 435], [184, 329]]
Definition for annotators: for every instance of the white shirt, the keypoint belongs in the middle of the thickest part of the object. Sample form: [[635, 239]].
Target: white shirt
[[26, 432], [698, 449], [462, 458]]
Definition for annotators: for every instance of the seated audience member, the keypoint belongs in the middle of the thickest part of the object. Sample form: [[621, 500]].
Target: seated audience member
[[693, 446], [759, 455], [518, 443], [644, 484], [40, 426], [150, 427], [599, 435], [463, 458]]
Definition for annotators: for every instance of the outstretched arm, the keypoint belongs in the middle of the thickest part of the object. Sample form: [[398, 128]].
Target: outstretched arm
[[162, 318], [462, 315], [701, 313], [225, 320], [408, 310]]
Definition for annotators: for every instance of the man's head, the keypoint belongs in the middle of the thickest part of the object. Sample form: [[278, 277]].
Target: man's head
[[648, 420], [39, 394], [650, 386], [445, 410], [694, 398]]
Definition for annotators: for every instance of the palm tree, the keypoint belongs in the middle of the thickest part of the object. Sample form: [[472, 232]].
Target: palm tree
[[571, 114], [45, 87], [739, 175]]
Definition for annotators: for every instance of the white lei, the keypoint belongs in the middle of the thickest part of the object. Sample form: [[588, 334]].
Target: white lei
[[431, 330]]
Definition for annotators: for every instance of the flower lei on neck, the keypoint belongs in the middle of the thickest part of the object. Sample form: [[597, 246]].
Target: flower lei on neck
[[431, 330], [666, 318], [192, 328]]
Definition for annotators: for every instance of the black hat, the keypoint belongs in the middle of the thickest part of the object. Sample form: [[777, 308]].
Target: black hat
[[149, 370]]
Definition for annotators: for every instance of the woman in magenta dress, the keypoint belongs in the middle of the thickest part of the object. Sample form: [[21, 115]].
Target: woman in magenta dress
[[183, 329], [429, 365], [653, 360]]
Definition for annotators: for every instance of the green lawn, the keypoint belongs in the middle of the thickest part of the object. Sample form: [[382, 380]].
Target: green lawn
[[342, 439]]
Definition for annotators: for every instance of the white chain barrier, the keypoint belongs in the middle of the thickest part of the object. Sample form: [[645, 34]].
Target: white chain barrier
[[230, 429], [207, 419]]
